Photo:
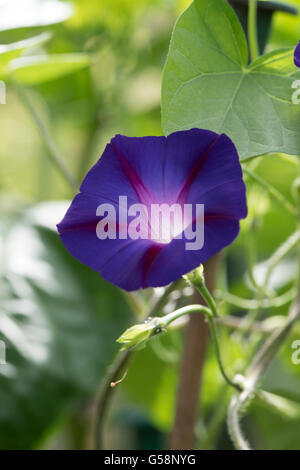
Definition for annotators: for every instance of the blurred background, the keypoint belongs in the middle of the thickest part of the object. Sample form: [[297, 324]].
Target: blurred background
[[77, 73]]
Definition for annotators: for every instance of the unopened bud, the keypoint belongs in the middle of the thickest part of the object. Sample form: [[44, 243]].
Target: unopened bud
[[138, 335], [196, 277]]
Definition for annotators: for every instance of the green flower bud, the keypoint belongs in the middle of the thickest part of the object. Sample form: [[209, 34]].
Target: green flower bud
[[138, 335], [196, 277]]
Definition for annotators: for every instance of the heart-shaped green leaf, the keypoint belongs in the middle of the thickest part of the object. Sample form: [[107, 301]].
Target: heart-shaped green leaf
[[207, 84]]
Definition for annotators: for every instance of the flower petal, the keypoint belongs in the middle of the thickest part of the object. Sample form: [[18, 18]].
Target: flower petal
[[176, 260], [186, 153], [228, 200], [143, 159], [108, 180], [122, 262], [195, 166], [220, 169]]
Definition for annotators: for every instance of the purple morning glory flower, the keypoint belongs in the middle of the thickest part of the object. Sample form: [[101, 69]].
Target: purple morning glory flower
[[187, 168], [297, 55]]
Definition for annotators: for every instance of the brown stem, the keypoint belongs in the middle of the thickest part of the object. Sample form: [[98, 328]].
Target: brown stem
[[197, 334]]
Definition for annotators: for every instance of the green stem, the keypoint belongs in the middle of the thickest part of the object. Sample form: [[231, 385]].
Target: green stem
[[252, 30], [118, 366], [167, 319], [196, 278], [262, 327], [251, 256], [54, 154], [274, 193], [211, 315], [254, 373], [87, 153], [253, 304], [233, 421], [106, 393], [270, 348], [209, 300], [286, 247], [218, 354]]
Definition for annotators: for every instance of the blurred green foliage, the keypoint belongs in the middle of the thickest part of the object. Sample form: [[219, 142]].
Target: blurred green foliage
[[59, 319]]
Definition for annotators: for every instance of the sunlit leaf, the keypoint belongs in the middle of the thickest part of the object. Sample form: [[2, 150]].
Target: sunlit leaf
[[38, 69], [11, 51], [207, 84]]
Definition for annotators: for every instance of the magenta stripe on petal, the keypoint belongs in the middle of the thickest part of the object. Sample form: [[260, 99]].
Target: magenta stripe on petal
[[182, 196], [149, 259], [137, 184]]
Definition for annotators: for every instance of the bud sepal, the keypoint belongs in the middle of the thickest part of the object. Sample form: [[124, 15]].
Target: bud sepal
[[137, 336]]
